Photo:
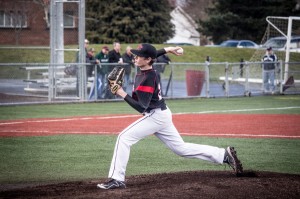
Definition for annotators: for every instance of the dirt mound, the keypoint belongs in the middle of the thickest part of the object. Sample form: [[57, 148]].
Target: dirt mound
[[194, 184]]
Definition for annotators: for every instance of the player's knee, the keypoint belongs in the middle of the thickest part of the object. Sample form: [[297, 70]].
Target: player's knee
[[126, 139], [178, 152]]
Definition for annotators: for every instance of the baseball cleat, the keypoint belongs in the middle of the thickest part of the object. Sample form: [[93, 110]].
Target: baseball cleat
[[231, 159], [112, 184]]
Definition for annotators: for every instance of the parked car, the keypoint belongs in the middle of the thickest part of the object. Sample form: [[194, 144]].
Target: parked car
[[237, 44], [279, 43]]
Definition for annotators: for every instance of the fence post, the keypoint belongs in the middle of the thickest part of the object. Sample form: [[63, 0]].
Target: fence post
[[281, 77], [226, 80], [171, 83], [82, 54], [247, 91], [95, 82], [207, 78]]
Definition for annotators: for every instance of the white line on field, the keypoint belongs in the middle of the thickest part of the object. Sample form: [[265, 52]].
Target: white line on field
[[56, 132], [239, 110], [130, 116], [184, 134], [70, 119], [241, 135]]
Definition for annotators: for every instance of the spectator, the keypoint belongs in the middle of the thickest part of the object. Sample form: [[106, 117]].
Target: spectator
[[161, 61], [128, 59], [94, 61], [86, 45], [269, 66], [114, 56], [91, 62], [102, 56]]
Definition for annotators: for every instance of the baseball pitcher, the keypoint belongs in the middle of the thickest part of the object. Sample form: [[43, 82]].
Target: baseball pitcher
[[157, 119]]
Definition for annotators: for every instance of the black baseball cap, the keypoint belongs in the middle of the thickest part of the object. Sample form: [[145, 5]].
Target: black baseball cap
[[145, 50], [270, 48]]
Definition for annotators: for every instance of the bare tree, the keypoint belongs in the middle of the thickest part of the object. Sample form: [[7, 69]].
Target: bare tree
[[18, 16], [45, 4]]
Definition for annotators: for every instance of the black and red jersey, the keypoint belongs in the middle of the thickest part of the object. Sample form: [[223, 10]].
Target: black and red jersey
[[146, 94]]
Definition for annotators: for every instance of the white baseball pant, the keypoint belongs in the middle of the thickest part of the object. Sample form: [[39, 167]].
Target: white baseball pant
[[158, 122]]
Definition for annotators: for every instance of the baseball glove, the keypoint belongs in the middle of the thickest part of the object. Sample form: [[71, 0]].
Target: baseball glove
[[115, 79]]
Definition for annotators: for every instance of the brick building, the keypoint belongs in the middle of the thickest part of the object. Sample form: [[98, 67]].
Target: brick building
[[27, 22]]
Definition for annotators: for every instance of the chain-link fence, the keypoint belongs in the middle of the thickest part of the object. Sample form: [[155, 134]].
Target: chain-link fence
[[30, 83]]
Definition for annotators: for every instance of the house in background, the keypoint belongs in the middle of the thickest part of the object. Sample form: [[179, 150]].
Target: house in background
[[185, 28], [26, 23]]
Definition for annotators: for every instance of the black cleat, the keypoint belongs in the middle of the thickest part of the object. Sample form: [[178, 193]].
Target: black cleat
[[112, 184], [230, 158]]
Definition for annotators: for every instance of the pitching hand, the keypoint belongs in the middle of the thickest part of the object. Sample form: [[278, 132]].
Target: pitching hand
[[174, 50]]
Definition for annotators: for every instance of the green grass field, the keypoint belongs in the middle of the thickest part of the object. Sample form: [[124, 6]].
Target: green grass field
[[81, 157]]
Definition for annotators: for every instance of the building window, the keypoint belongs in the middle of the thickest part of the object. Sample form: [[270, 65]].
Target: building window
[[69, 21], [13, 19]]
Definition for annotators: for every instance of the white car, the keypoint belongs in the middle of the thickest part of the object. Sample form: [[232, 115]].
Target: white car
[[279, 43], [237, 44]]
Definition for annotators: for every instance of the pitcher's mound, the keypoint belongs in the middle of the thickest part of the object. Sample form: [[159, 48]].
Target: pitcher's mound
[[193, 184]]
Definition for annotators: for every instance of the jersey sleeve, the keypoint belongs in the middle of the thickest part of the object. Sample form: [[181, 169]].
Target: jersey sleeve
[[160, 52], [141, 105], [134, 104]]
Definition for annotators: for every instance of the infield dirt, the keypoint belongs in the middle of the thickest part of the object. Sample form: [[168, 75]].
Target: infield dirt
[[194, 184]]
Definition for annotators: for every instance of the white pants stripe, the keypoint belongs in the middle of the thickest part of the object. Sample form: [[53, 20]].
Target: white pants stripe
[[160, 124]]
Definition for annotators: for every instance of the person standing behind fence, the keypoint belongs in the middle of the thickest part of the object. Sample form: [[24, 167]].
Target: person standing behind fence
[[161, 61], [86, 45], [94, 61], [102, 56], [114, 57], [269, 66], [91, 62], [128, 59]]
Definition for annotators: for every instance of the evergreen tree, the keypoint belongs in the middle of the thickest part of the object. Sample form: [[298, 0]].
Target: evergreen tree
[[243, 19], [128, 21]]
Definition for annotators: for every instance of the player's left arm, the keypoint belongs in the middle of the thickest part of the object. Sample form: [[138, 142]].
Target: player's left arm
[[140, 106], [144, 94]]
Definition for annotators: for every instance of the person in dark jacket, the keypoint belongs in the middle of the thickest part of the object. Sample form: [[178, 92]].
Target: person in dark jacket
[[160, 66], [128, 60], [92, 61], [102, 56], [114, 56], [86, 45], [269, 67]]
